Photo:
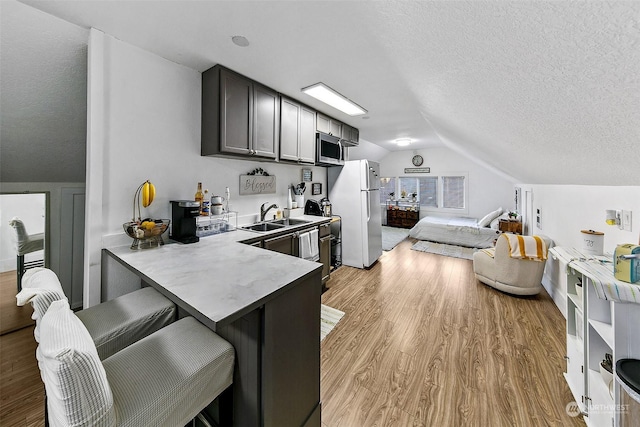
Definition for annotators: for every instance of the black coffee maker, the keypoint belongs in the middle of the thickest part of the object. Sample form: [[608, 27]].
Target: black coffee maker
[[183, 220]]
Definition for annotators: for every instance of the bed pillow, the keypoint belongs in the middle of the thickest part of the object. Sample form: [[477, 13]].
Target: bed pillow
[[484, 222], [78, 392], [495, 224]]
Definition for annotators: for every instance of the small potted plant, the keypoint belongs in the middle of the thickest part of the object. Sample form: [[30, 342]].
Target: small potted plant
[[392, 195], [513, 215], [413, 196], [403, 194]]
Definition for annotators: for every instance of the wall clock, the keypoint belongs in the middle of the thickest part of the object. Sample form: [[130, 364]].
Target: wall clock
[[417, 160]]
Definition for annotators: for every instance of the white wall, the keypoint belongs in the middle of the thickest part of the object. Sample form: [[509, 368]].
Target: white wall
[[487, 190], [145, 117], [567, 209]]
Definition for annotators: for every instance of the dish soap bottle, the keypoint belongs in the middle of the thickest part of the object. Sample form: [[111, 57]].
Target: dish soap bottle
[[199, 196]]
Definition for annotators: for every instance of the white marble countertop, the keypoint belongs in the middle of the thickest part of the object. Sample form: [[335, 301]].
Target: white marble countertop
[[218, 279]]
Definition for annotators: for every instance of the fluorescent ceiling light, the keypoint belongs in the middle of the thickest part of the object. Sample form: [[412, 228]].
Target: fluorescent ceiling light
[[403, 142], [329, 96]]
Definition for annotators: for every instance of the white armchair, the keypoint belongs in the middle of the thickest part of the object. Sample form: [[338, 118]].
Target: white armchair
[[496, 268]]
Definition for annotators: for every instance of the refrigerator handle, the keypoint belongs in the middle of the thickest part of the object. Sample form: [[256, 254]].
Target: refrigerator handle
[[368, 206]]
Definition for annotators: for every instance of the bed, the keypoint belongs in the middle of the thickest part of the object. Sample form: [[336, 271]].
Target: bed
[[459, 231]]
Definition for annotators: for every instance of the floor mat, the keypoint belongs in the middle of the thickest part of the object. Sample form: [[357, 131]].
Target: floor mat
[[444, 249]]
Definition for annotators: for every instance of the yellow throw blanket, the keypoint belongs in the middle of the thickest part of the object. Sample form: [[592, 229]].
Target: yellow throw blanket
[[526, 247]]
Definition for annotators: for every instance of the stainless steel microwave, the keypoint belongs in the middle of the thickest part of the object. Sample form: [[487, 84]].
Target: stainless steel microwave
[[329, 150]]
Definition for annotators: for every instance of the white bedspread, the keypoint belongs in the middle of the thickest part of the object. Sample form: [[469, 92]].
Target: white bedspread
[[454, 231]]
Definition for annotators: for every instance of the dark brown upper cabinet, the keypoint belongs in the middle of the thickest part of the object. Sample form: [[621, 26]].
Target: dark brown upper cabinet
[[240, 117], [297, 132]]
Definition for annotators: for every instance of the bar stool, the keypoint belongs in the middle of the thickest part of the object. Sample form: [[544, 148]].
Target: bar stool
[[165, 379], [113, 325], [25, 244]]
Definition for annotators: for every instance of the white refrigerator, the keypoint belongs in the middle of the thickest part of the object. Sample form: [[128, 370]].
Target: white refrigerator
[[354, 191]]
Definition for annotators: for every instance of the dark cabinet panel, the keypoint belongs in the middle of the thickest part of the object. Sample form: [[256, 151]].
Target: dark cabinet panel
[[283, 244], [307, 135], [265, 121], [328, 125], [297, 132], [289, 129], [350, 135], [291, 355], [402, 218], [239, 116], [235, 123]]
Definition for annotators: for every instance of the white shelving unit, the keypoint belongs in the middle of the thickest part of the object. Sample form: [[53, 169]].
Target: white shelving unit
[[595, 326]]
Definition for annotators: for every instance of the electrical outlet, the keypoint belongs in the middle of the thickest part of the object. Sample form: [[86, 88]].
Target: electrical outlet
[[626, 220]]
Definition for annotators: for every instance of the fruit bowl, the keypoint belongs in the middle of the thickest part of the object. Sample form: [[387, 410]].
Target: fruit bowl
[[146, 233]]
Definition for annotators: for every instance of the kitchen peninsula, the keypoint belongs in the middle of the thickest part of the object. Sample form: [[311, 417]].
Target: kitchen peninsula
[[266, 304]]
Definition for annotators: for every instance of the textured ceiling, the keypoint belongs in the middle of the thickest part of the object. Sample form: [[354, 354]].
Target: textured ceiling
[[544, 92]]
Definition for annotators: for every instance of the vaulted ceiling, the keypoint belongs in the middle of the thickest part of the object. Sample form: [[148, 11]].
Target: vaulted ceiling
[[544, 92]]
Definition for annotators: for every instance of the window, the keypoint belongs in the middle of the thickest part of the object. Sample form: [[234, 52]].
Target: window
[[435, 193], [426, 188], [453, 192], [387, 186]]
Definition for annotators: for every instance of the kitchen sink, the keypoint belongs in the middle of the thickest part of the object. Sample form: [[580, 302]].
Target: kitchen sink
[[277, 224], [263, 226], [289, 221]]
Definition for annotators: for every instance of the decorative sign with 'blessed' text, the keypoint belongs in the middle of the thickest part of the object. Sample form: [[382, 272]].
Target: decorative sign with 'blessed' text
[[257, 184]]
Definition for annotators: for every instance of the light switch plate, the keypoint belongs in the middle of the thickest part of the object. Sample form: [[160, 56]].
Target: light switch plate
[[626, 220]]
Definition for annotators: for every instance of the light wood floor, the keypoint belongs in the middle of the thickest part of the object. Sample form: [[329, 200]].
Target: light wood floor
[[423, 343], [12, 317]]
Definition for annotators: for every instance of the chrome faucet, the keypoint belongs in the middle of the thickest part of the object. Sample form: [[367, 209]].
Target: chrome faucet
[[263, 211]]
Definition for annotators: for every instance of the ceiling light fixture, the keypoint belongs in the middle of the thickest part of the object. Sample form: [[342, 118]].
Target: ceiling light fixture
[[324, 93], [240, 41], [403, 142]]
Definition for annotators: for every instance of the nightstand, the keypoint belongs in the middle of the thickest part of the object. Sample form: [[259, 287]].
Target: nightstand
[[510, 226]]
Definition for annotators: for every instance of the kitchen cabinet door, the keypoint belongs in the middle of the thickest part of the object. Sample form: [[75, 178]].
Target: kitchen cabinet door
[[240, 117], [307, 150], [297, 132], [335, 127], [282, 244], [328, 125], [289, 130], [265, 126], [236, 113], [323, 123]]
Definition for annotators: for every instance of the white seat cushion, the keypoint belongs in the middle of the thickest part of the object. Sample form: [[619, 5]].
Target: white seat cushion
[[114, 324], [120, 322], [40, 287], [167, 378], [78, 393]]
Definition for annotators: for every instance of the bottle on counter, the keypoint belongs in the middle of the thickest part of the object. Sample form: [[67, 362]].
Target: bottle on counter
[[199, 196], [205, 204]]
